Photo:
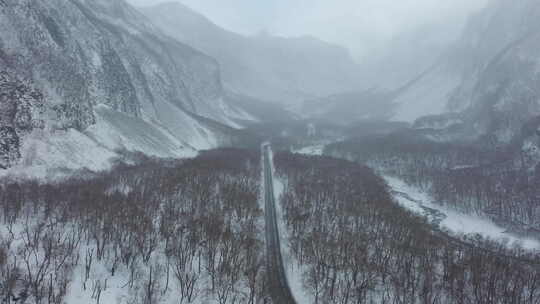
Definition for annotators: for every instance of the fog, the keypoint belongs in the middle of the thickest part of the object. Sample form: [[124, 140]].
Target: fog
[[363, 26]]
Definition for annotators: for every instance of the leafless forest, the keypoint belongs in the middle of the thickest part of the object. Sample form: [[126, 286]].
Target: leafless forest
[[191, 228], [496, 182], [358, 246]]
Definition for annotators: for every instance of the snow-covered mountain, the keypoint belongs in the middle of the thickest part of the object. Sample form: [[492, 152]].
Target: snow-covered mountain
[[286, 70], [81, 79], [491, 75], [500, 85], [401, 79], [487, 87]]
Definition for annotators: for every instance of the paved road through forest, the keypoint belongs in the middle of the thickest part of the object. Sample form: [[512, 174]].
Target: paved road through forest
[[280, 290]]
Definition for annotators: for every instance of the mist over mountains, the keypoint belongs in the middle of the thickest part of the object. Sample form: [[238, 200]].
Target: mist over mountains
[[490, 74], [282, 70], [107, 80], [359, 151]]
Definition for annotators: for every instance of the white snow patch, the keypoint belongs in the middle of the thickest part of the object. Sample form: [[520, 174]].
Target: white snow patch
[[417, 201], [427, 97], [315, 150], [184, 127], [461, 167], [45, 153], [232, 112], [116, 130], [96, 60]]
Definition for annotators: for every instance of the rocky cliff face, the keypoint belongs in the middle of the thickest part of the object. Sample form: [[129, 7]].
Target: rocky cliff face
[[96, 60], [21, 111]]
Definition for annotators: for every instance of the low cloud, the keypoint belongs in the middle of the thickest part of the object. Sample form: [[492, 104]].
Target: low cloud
[[360, 25]]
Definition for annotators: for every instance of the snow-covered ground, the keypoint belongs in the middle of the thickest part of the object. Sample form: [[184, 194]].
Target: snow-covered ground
[[115, 289], [459, 223], [293, 269], [428, 96], [117, 131], [315, 150], [52, 154]]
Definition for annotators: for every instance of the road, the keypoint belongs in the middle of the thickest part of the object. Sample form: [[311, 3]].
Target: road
[[280, 290]]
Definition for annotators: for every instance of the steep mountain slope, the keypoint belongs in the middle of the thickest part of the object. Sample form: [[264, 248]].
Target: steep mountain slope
[[490, 74], [101, 78], [500, 92], [264, 67], [411, 52]]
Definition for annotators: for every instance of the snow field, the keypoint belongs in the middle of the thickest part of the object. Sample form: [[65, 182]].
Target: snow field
[[417, 201]]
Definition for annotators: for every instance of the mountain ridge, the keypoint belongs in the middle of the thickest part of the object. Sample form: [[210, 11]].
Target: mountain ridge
[[265, 67]]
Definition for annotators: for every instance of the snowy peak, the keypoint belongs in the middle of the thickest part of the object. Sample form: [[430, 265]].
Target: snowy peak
[[21, 111]]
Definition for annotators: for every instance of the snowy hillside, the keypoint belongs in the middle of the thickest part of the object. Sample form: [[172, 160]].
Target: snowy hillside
[[100, 76]]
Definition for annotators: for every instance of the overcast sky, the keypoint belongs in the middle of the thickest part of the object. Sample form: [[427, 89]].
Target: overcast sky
[[352, 23]]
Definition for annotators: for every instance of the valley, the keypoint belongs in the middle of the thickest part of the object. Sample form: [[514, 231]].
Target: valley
[[153, 155]]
